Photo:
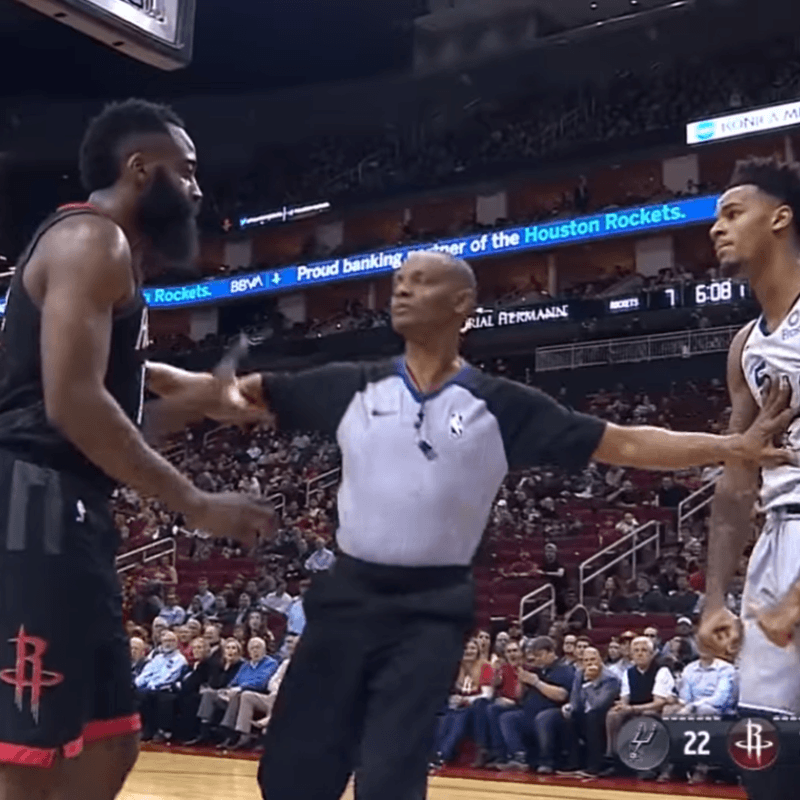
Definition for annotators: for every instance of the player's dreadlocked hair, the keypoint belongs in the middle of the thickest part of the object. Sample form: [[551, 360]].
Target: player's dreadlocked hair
[[779, 179], [99, 153]]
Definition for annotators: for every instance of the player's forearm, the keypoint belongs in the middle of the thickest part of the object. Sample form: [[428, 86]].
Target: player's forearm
[[645, 447], [164, 379], [731, 509], [97, 426]]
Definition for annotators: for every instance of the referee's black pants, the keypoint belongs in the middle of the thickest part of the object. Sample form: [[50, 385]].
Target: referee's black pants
[[373, 667]]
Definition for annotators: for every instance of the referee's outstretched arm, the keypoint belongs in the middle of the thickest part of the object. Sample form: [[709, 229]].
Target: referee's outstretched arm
[[644, 447]]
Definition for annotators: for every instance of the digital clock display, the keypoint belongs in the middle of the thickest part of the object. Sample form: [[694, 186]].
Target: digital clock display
[[721, 291]]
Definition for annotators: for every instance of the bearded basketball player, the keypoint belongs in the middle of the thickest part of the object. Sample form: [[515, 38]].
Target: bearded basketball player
[[757, 235], [70, 400]]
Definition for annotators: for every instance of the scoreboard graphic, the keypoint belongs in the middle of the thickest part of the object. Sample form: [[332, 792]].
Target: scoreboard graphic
[[158, 32]]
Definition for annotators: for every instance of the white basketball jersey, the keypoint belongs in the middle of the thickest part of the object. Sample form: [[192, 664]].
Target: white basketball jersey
[[774, 355]]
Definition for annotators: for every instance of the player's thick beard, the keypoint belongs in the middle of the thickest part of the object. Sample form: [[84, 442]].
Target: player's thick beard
[[168, 220]]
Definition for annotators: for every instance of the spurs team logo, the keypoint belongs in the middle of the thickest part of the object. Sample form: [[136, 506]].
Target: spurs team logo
[[456, 426], [643, 743], [29, 672], [754, 744]]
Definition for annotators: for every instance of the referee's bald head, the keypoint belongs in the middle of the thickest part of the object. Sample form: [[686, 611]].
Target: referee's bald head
[[433, 292]]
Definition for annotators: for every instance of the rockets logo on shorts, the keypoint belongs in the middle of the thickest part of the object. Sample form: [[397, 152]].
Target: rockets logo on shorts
[[29, 672]]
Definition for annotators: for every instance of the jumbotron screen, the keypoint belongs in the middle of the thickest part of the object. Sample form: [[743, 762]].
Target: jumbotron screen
[[158, 32]]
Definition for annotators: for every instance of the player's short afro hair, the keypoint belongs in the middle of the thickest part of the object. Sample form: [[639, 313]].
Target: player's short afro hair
[[99, 153], [777, 178]]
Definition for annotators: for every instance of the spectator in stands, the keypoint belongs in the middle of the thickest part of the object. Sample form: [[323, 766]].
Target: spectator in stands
[[183, 632], [568, 649], [576, 616], [648, 599], [684, 629], [205, 595], [667, 579], [615, 663], [545, 689], [157, 631], [240, 634], [212, 634], [613, 595], [547, 510], [165, 573], [683, 600], [195, 627], [499, 655], [172, 613], [322, 559], [554, 573], [245, 606], [252, 702], [185, 701], [628, 524], [646, 689], [484, 640], [651, 632], [295, 614], [671, 494], [581, 643], [594, 690], [222, 614], [709, 687], [161, 673], [138, 656], [278, 600], [625, 497], [474, 680], [195, 609], [254, 676], [220, 677], [488, 736]]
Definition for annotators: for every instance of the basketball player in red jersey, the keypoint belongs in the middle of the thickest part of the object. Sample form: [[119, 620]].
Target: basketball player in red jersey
[[70, 400]]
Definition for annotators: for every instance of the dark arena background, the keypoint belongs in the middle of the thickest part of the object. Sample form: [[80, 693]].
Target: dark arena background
[[573, 151]]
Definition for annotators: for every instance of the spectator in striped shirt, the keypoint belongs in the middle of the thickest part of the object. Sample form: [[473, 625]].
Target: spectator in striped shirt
[[321, 560]]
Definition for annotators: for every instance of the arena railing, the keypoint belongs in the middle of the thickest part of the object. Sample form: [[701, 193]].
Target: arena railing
[[546, 605], [696, 502], [643, 536], [321, 482], [278, 502], [631, 350], [147, 553]]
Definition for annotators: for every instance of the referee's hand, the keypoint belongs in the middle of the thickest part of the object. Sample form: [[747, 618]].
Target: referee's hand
[[238, 516]]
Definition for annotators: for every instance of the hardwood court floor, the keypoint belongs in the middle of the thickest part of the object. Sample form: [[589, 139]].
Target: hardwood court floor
[[172, 776]]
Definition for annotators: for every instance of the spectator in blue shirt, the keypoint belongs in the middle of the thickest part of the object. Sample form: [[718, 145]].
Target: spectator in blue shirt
[[161, 673], [547, 685], [253, 675], [172, 613], [708, 687], [322, 559]]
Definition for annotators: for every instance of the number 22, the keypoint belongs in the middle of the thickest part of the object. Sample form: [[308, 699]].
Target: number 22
[[700, 739]]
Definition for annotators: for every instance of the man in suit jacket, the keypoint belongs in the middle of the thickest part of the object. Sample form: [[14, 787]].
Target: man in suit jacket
[[594, 691]]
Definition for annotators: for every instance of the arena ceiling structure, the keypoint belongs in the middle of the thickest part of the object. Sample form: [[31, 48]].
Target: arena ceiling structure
[[240, 46]]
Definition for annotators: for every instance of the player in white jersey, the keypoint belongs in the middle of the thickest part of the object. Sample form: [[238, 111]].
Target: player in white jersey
[[757, 236]]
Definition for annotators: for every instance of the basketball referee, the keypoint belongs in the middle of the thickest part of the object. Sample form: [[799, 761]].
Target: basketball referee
[[426, 441]]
